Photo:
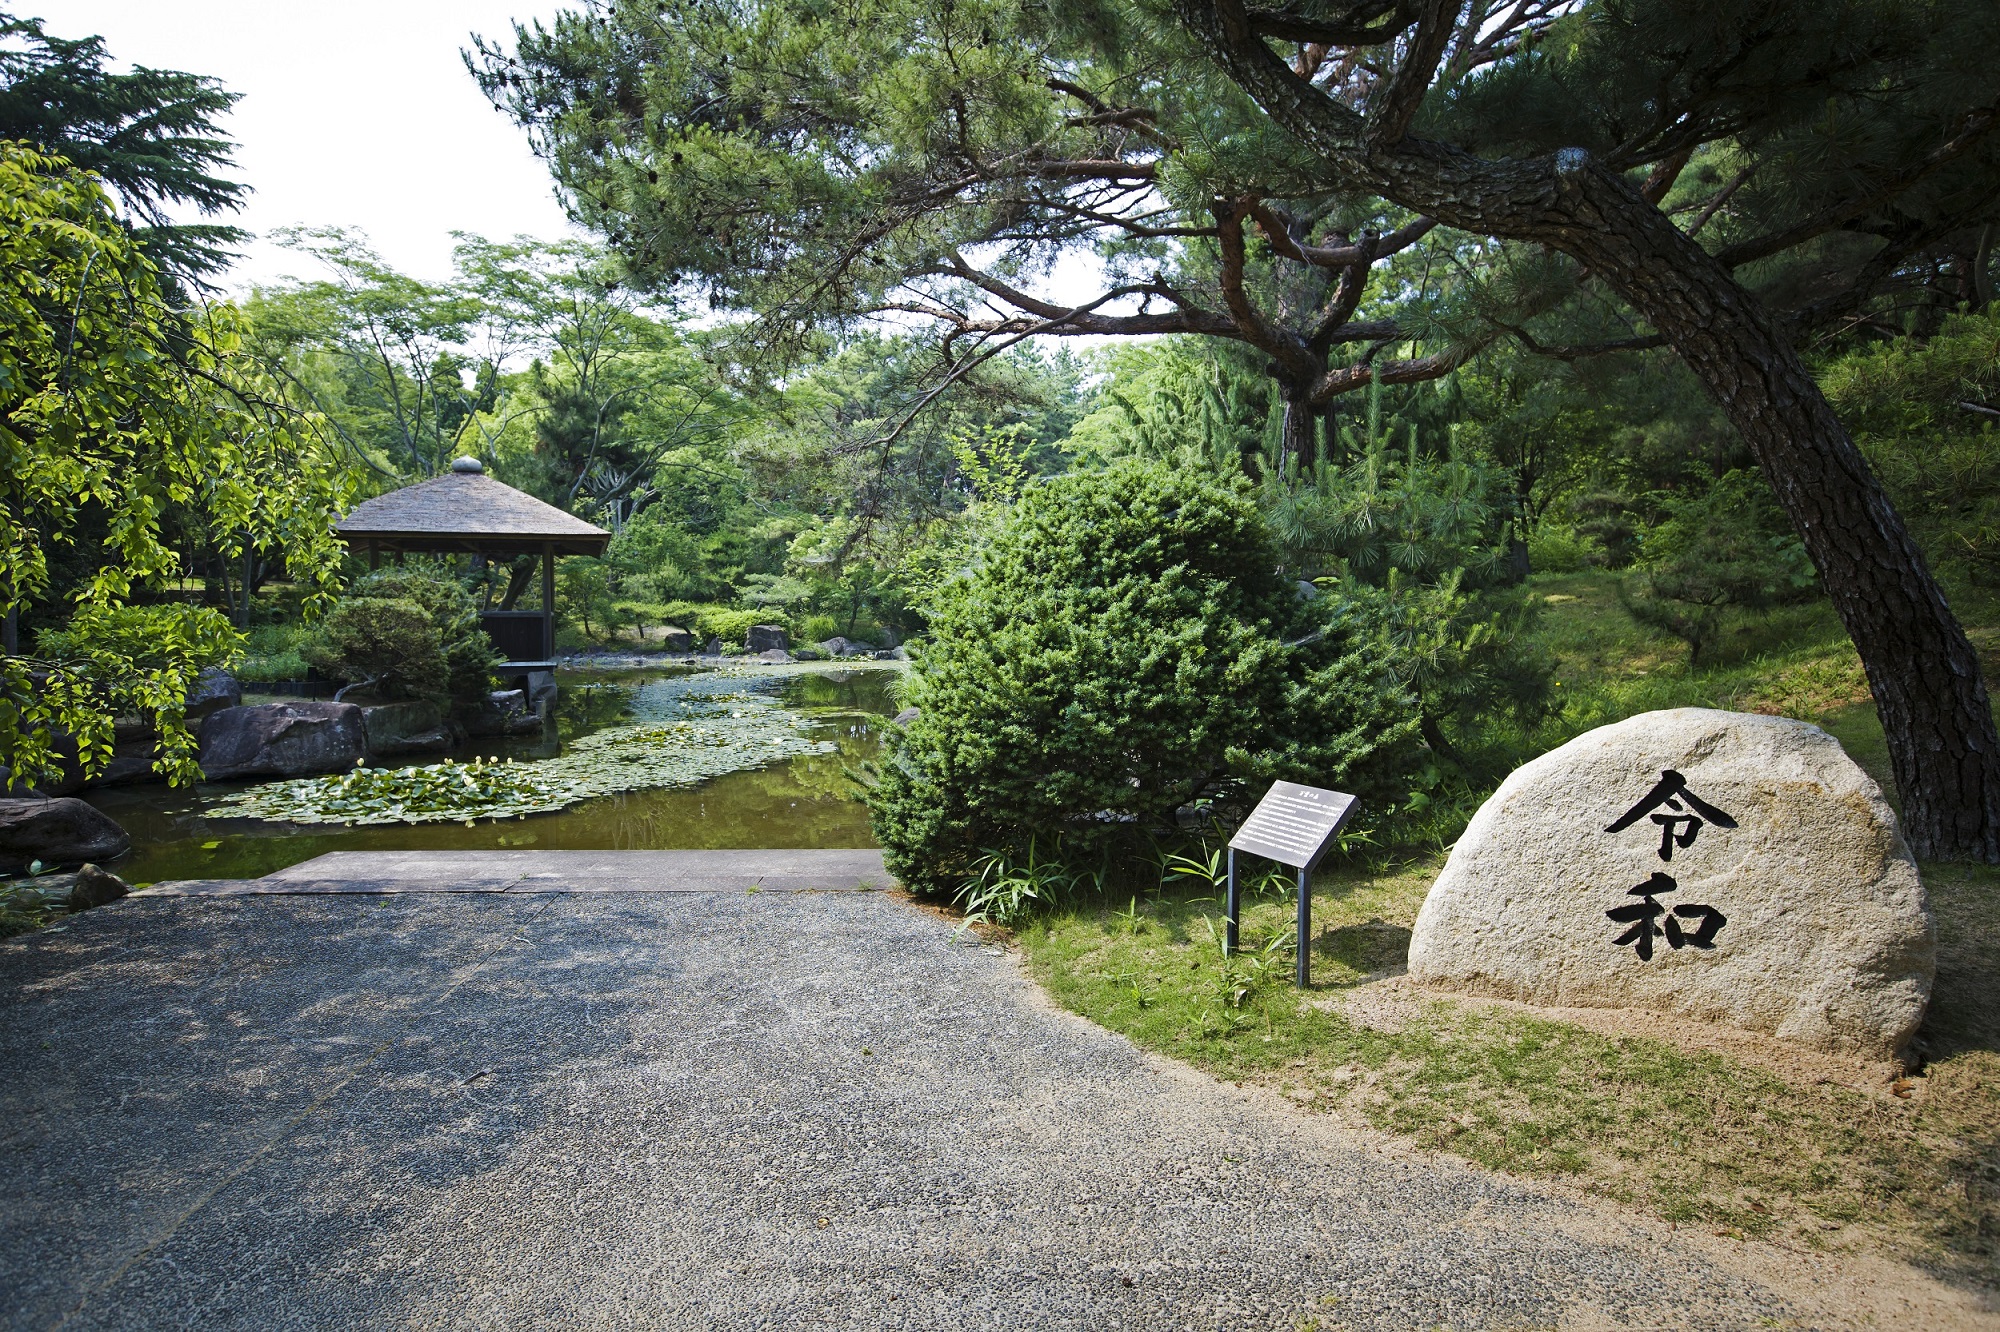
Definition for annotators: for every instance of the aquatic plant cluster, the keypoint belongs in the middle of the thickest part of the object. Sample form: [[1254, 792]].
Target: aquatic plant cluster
[[682, 732]]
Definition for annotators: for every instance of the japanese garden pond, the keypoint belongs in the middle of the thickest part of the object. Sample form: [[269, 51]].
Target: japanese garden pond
[[659, 758]]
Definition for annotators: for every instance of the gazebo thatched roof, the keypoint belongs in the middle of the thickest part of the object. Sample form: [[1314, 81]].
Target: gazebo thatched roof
[[466, 510]]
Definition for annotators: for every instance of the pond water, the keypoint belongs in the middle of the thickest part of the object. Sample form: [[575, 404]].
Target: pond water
[[806, 801]]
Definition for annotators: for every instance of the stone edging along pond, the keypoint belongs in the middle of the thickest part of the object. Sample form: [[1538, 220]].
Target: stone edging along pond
[[683, 731]]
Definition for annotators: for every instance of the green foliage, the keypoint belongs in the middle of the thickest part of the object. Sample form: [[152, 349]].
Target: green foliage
[[109, 661], [124, 424], [1413, 552], [383, 645], [1560, 549], [729, 624], [1006, 888], [1928, 414], [148, 134], [468, 653], [1720, 548], [271, 652], [583, 596], [406, 631], [1124, 647]]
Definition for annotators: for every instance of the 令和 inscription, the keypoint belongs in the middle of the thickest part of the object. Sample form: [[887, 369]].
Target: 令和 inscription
[[1680, 815]]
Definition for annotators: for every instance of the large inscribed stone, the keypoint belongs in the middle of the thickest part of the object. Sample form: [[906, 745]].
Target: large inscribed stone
[[1727, 867]]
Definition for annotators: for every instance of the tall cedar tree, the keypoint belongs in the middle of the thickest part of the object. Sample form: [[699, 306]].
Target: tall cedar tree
[[150, 135]]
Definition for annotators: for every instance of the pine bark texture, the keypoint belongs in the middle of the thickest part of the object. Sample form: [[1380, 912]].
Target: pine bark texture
[[1922, 670]]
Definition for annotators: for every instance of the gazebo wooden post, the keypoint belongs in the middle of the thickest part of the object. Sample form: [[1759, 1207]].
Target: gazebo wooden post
[[374, 556], [548, 601]]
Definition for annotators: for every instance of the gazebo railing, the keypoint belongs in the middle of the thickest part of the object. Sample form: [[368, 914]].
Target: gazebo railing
[[520, 635]]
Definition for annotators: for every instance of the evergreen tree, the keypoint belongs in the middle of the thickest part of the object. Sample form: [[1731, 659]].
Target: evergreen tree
[[150, 135]]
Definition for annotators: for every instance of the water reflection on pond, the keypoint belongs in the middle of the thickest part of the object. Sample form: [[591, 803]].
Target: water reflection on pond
[[808, 801]]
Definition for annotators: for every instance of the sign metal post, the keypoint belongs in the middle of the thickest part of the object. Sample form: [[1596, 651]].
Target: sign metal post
[[1294, 825], [1234, 907]]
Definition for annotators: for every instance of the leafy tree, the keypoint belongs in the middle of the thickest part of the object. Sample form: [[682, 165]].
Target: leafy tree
[[116, 410], [150, 135], [1125, 646], [814, 166], [1837, 145], [618, 396], [379, 356]]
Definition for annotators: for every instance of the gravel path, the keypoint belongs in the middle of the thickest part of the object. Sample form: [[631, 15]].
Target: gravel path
[[701, 1110]]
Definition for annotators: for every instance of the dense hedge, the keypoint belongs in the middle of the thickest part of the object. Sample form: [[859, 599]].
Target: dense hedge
[[1126, 645]]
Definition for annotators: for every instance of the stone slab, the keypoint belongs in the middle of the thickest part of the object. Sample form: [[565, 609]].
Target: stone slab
[[708, 1110], [403, 872]]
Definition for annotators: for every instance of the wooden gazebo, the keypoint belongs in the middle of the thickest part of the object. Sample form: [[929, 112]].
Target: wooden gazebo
[[467, 512]]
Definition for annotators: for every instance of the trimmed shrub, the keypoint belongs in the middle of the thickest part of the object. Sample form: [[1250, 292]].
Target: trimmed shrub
[[455, 660], [387, 645], [1124, 647]]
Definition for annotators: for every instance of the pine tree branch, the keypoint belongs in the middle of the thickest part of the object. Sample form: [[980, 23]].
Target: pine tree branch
[[1390, 119]]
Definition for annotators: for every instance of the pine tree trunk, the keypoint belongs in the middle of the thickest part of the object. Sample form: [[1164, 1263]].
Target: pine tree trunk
[[1301, 430], [1921, 669]]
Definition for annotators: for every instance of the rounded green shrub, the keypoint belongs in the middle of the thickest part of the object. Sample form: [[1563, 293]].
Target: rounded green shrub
[[362, 639], [1124, 646], [389, 645]]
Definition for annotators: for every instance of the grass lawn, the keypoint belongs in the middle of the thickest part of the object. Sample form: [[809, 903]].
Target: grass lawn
[[1855, 1155]]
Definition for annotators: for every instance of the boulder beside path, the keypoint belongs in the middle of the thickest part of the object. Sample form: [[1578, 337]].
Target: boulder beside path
[[291, 739], [62, 831], [1722, 866]]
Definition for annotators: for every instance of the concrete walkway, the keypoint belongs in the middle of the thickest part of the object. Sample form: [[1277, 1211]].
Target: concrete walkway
[[625, 1090]]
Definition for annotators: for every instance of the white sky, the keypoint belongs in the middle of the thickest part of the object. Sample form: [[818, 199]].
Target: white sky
[[354, 113]]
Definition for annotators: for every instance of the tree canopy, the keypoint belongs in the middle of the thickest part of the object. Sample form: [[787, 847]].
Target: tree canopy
[[123, 423], [150, 135]]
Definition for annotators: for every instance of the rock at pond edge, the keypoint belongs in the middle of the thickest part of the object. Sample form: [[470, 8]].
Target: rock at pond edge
[[293, 739], [1829, 940], [96, 887], [413, 727], [62, 831]]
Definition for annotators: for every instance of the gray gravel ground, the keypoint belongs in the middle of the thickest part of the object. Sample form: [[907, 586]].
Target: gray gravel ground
[[721, 1110]]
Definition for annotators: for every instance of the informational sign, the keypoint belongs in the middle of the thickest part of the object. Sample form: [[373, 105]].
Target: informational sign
[[1294, 825]]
